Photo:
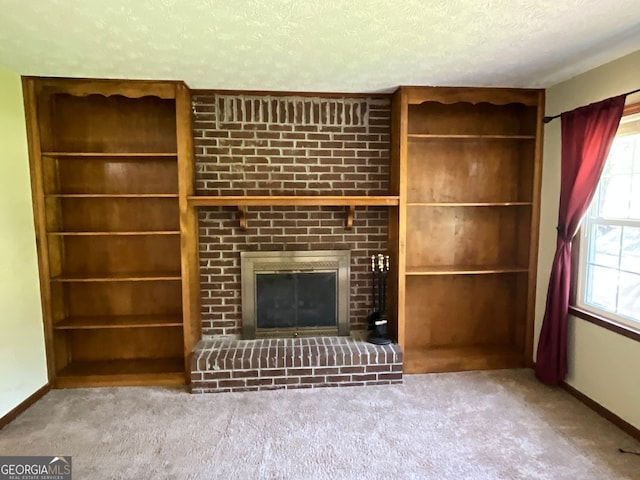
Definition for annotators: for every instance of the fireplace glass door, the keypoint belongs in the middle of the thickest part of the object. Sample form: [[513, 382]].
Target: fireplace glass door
[[296, 300], [295, 293]]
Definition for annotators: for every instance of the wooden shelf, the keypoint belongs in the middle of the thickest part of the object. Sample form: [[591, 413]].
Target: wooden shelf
[[464, 270], [112, 195], [120, 277], [461, 358], [437, 136], [109, 154], [154, 371], [129, 233], [469, 204], [242, 202], [308, 200], [125, 321]]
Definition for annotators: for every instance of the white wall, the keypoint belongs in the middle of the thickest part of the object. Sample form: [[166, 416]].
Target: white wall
[[22, 353], [603, 365]]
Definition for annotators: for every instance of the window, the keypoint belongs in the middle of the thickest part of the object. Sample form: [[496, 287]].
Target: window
[[609, 261]]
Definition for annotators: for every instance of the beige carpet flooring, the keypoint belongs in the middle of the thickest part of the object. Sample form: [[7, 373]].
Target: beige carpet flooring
[[475, 425]]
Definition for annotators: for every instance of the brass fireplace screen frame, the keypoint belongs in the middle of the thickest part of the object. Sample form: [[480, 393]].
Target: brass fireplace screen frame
[[338, 261]]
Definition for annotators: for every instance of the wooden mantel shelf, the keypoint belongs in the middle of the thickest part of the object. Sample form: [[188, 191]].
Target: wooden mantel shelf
[[304, 200], [242, 202]]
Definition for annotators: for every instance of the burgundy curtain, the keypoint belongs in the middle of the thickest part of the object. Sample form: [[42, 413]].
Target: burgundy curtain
[[587, 134]]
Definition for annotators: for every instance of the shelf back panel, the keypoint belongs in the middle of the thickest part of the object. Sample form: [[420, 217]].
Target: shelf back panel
[[99, 175], [129, 344], [469, 171], [468, 236], [114, 124], [140, 254], [112, 214], [472, 119], [465, 310], [123, 298]]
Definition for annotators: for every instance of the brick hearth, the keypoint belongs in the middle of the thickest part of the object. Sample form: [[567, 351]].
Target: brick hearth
[[229, 365]]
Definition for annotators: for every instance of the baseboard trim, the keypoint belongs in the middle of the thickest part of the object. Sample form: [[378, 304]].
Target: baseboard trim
[[33, 398], [602, 411]]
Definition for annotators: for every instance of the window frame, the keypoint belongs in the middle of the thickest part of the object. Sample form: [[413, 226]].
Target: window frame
[[591, 314]]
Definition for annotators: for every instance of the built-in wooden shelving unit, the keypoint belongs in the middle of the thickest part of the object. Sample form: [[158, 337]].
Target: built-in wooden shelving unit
[[115, 206], [468, 178], [110, 162]]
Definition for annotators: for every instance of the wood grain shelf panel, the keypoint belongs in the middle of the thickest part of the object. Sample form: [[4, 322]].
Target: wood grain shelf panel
[[464, 270], [109, 154], [112, 213], [108, 234], [450, 95], [124, 321], [165, 89], [121, 277], [285, 200], [469, 172], [467, 236], [112, 195], [452, 136], [156, 371], [111, 175], [454, 359], [469, 204]]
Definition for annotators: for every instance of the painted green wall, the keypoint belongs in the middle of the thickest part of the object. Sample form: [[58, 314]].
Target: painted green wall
[[603, 365], [22, 353]]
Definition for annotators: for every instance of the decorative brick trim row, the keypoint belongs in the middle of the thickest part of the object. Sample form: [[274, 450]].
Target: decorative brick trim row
[[228, 365], [288, 110]]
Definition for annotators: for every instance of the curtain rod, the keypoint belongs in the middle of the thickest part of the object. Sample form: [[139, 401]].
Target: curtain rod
[[548, 119]]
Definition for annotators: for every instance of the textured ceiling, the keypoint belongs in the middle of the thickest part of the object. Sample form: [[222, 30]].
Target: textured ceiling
[[318, 45]]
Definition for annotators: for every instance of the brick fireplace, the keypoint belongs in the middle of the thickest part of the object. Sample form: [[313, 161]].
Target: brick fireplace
[[249, 144]]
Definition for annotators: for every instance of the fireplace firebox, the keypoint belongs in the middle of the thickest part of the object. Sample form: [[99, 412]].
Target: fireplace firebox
[[290, 294]]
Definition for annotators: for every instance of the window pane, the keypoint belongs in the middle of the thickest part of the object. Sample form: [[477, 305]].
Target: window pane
[[630, 255], [614, 196], [594, 207], [602, 287], [629, 296], [610, 255], [636, 163], [605, 245], [634, 207], [620, 159]]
